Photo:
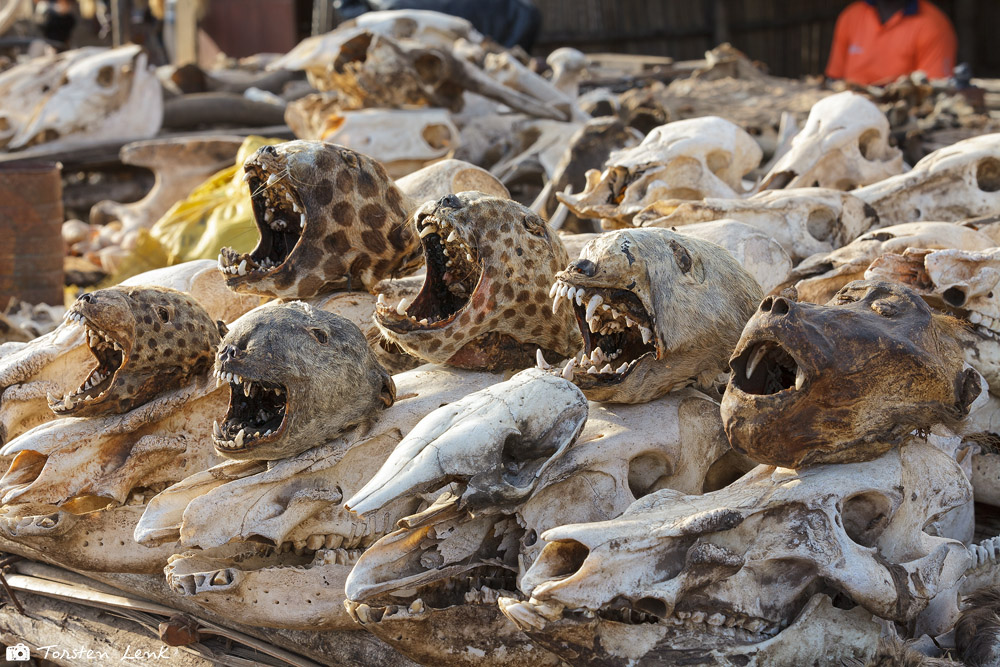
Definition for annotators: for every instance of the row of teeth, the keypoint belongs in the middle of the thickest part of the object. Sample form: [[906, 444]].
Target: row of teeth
[[362, 613], [984, 553], [985, 322], [591, 363], [429, 228], [235, 269], [561, 290], [400, 308], [232, 378], [182, 584], [758, 354], [236, 443], [757, 626], [269, 213], [12, 524], [96, 338]]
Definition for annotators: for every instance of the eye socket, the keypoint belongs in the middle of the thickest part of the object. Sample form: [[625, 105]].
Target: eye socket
[[320, 336], [163, 314], [885, 308]]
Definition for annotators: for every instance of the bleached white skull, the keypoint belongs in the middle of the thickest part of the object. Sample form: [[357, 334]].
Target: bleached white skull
[[403, 140], [259, 536], [429, 589], [953, 183], [695, 158], [85, 95], [962, 283], [723, 576], [805, 221], [58, 362], [511, 72], [844, 144], [569, 66], [819, 277]]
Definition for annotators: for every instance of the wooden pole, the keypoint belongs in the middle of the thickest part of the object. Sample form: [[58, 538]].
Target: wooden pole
[[121, 22], [185, 33], [322, 17]]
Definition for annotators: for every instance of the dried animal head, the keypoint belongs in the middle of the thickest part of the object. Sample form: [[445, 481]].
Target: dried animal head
[[483, 303], [630, 289], [329, 219], [298, 377], [273, 533], [844, 144], [954, 183], [688, 159], [84, 95], [819, 277], [735, 575], [805, 221], [803, 390], [146, 340]]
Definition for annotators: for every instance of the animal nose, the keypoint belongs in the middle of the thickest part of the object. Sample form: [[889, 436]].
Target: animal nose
[[450, 201], [227, 352], [776, 305], [86, 298], [584, 266], [268, 150]]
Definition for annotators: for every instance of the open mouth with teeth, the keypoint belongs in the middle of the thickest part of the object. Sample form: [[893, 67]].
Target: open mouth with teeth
[[453, 274], [258, 413], [281, 222], [110, 356], [618, 332], [764, 368]]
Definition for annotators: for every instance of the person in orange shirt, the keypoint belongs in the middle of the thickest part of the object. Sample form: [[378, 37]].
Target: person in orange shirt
[[877, 41]]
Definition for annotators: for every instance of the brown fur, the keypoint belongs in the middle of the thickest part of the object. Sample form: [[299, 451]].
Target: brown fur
[[894, 653], [354, 235], [977, 633]]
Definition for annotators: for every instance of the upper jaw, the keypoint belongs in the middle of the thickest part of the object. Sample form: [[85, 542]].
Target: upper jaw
[[111, 356], [618, 329], [454, 273], [258, 411], [280, 217]]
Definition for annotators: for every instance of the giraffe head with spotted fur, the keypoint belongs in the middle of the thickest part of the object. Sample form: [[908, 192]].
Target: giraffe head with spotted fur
[[484, 301], [146, 341], [329, 219]]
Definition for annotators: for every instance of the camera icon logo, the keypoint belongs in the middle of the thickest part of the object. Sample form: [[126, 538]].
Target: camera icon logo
[[18, 653]]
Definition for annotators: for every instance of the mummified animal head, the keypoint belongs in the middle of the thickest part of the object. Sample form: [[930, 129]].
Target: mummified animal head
[[329, 219], [298, 378], [630, 290], [146, 340], [846, 381], [483, 303]]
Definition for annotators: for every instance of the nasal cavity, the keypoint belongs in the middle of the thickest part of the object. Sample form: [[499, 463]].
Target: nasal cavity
[[776, 305], [955, 296], [561, 559], [584, 266], [450, 201], [86, 298]]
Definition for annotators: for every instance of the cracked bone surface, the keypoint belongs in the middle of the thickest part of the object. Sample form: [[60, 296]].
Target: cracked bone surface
[[953, 183], [85, 95], [738, 575], [818, 278], [802, 390], [420, 587], [298, 376], [60, 361], [960, 283], [844, 145], [483, 304], [696, 158], [805, 221], [629, 289], [270, 534]]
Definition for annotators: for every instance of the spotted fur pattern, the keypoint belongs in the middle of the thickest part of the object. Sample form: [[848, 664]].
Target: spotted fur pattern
[[354, 232]]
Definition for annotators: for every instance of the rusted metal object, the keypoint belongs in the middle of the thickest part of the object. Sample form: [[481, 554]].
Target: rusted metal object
[[31, 217]]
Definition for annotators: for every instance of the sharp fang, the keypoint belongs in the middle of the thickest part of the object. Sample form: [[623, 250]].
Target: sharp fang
[[800, 378], [381, 300], [216, 429], [428, 230], [567, 373], [302, 221], [592, 305], [555, 303], [621, 369], [246, 177], [272, 179], [607, 369], [246, 388], [755, 358], [452, 237], [239, 437], [540, 360], [647, 335], [404, 303], [552, 290], [242, 268]]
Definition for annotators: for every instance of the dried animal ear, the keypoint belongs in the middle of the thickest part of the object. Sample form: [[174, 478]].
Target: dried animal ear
[[535, 226], [388, 394], [969, 387], [681, 256], [223, 329], [163, 313]]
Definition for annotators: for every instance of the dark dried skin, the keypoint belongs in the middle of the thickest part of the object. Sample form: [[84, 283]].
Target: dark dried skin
[[692, 294], [977, 633], [488, 310], [165, 337], [337, 222], [310, 375], [872, 366]]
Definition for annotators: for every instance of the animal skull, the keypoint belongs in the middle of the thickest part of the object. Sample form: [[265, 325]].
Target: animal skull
[[844, 144], [723, 576], [418, 588], [954, 183], [687, 159], [805, 221], [84, 95]]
